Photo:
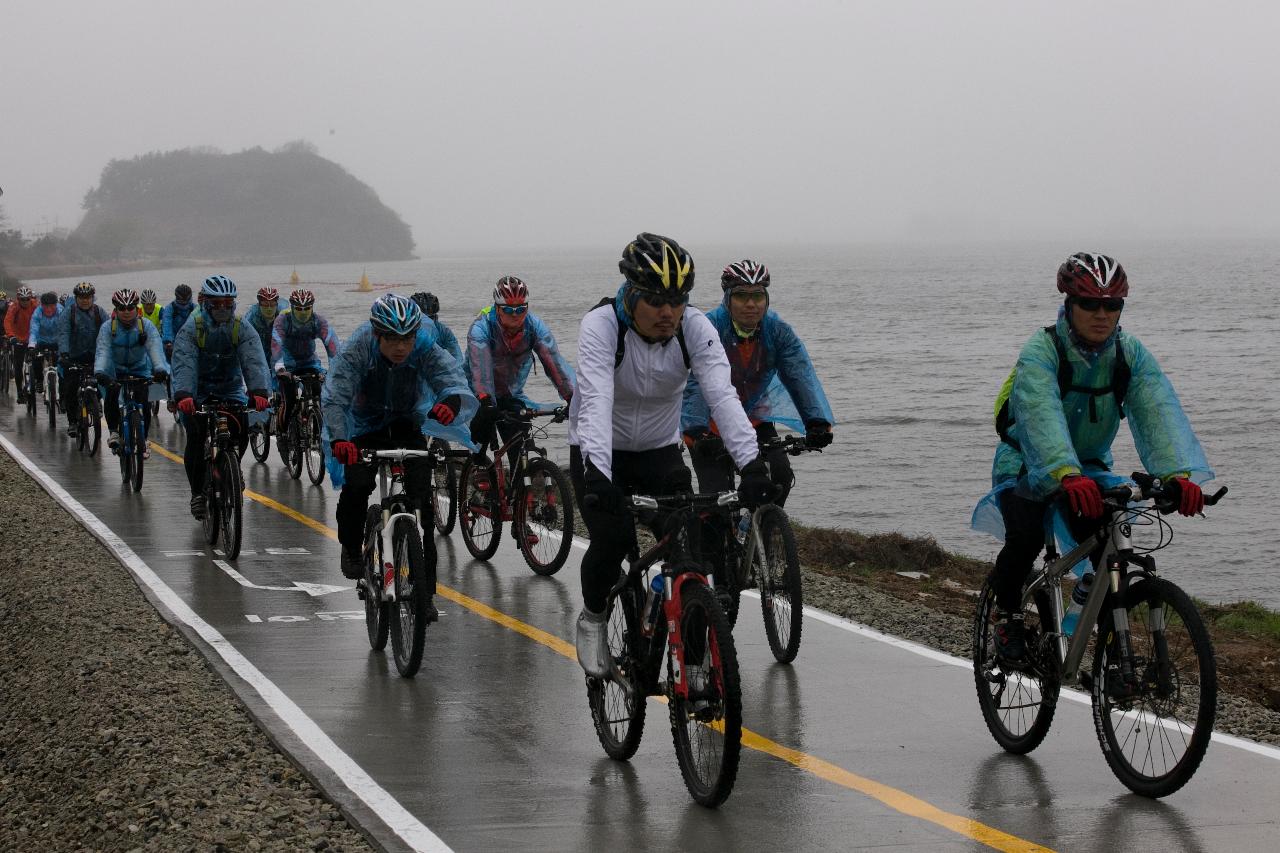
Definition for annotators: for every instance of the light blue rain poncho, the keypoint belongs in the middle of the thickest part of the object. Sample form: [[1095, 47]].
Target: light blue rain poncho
[[449, 341], [498, 364], [135, 350], [1063, 435], [44, 330], [173, 317], [365, 393], [222, 360], [262, 325], [296, 342], [78, 330], [775, 379]]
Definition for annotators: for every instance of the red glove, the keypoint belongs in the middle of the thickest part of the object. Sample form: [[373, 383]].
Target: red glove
[[447, 409], [1085, 497], [346, 452], [259, 403], [187, 405], [1190, 497]]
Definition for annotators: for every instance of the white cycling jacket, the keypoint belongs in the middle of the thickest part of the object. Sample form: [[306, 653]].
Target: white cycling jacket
[[637, 406]]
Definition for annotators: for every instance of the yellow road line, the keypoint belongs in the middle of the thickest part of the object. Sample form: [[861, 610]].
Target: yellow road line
[[895, 799]]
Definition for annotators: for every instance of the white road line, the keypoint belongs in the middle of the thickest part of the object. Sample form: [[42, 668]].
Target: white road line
[[401, 822]]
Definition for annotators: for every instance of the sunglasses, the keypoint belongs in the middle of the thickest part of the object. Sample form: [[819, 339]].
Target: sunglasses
[[399, 339], [513, 310], [219, 304], [1112, 305], [748, 296], [660, 300]]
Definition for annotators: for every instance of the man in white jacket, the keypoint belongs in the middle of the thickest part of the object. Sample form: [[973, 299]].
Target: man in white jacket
[[635, 353]]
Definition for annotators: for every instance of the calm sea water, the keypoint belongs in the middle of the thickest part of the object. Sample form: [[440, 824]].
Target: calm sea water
[[912, 344]]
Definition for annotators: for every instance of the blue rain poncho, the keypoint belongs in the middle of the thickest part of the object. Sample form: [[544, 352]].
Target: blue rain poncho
[[173, 317], [498, 365], [295, 341], [45, 330], [449, 341], [78, 331], [222, 360], [775, 379], [134, 350], [365, 393], [1059, 435], [262, 325]]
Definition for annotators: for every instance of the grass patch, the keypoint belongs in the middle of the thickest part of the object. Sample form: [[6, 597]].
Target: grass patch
[[847, 553], [1244, 617]]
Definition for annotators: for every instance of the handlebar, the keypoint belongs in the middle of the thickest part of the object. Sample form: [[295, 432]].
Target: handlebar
[[372, 456], [676, 501], [793, 445], [1150, 488], [557, 415]]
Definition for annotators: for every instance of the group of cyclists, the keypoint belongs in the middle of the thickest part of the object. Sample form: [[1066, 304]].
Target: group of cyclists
[[654, 377]]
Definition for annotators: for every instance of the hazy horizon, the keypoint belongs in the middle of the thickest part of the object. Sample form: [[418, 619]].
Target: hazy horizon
[[491, 126]]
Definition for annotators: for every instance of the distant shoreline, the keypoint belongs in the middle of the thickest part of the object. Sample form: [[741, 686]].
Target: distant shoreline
[[115, 267]]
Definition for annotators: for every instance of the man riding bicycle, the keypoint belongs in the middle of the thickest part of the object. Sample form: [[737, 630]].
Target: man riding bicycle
[[77, 344], [1057, 415], [388, 383], [151, 310], [430, 306], [17, 326], [293, 336], [215, 358], [635, 354], [262, 316], [128, 345], [172, 318], [45, 327], [774, 378]]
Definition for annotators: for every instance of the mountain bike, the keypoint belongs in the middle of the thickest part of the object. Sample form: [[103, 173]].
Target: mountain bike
[[397, 594], [760, 551], [223, 482], [1153, 679], [6, 363], [89, 412], [50, 353], [666, 601], [32, 369], [444, 485], [132, 449], [261, 428], [535, 497], [300, 438]]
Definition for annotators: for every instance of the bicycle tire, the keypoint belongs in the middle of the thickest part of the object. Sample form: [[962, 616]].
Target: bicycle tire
[[82, 426], [294, 460], [479, 510], [377, 614], [94, 423], [212, 525], [1178, 695], [29, 386], [781, 585], [1020, 720], [408, 625], [4, 372], [444, 492], [138, 446], [314, 452], [260, 442], [51, 399], [618, 716], [124, 456], [544, 501], [232, 505]]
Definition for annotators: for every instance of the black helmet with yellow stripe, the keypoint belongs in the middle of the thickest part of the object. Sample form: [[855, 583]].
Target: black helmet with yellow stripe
[[655, 264]]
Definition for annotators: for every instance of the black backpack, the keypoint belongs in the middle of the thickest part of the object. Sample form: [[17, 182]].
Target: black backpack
[[622, 335]]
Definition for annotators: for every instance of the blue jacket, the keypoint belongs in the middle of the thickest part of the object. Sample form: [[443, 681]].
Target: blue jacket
[[262, 326], [449, 341], [499, 366], [296, 341], [121, 353], [78, 331], [173, 317], [223, 365], [772, 373], [45, 330]]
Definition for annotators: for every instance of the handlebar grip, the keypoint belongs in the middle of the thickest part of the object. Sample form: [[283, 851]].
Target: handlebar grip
[[1210, 500]]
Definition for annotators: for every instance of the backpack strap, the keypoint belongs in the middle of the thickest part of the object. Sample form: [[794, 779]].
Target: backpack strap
[[1117, 387], [202, 335], [621, 349]]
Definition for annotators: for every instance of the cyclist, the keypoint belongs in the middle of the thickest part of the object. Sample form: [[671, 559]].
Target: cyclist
[[772, 373], [77, 344], [44, 331], [172, 318], [4, 306], [128, 345], [1058, 414], [635, 352], [4, 336], [262, 315], [388, 382], [214, 357], [17, 326], [430, 305], [293, 337]]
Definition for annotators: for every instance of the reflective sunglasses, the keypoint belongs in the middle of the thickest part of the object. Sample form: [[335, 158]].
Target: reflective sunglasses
[[658, 300], [513, 309], [1112, 305], [748, 295]]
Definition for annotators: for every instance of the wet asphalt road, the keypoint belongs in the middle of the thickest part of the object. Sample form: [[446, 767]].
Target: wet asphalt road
[[862, 743]]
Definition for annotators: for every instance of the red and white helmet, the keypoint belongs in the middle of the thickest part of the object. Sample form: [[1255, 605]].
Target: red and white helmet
[[25, 292], [268, 294], [510, 291], [1092, 276], [744, 273], [302, 299], [125, 298]]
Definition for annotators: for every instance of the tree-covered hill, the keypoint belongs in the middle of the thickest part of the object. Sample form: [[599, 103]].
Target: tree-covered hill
[[285, 205]]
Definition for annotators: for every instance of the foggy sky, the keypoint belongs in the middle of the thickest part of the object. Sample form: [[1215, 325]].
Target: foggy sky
[[549, 124]]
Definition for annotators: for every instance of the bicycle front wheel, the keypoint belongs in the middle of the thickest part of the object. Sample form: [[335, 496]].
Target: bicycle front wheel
[[93, 409], [707, 725], [138, 446], [544, 517], [616, 710], [51, 398], [408, 615], [231, 493], [312, 450], [212, 504], [479, 511], [1154, 727], [260, 442], [781, 595], [1018, 702], [293, 456], [377, 615], [444, 494]]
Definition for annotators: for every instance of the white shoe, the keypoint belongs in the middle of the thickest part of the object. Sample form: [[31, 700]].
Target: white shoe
[[699, 681], [593, 644], [113, 440]]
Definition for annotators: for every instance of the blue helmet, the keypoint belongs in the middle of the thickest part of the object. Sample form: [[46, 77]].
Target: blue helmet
[[218, 286], [395, 315]]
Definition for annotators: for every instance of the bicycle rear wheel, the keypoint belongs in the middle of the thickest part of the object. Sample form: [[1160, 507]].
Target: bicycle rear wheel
[[92, 424], [444, 493], [377, 615], [293, 456], [312, 450], [138, 446], [479, 512], [544, 517], [231, 492], [1154, 729], [618, 713], [29, 387], [4, 372], [781, 593], [260, 442], [212, 508], [408, 616], [707, 726], [1017, 703]]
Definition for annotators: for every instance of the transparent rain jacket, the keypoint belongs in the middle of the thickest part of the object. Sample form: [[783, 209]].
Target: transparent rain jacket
[[449, 341], [774, 378], [173, 317], [365, 393], [296, 341], [78, 331], [1059, 435], [500, 370], [254, 317], [134, 350], [44, 330], [217, 360]]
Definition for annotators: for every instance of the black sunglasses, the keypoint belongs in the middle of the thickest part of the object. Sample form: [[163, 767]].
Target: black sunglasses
[[1112, 305], [658, 300]]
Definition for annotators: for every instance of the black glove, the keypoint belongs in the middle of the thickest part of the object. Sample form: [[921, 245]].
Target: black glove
[[817, 434], [600, 492], [168, 350], [159, 376], [103, 379], [755, 487], [706, 446], [511, 405], [484, 416]]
